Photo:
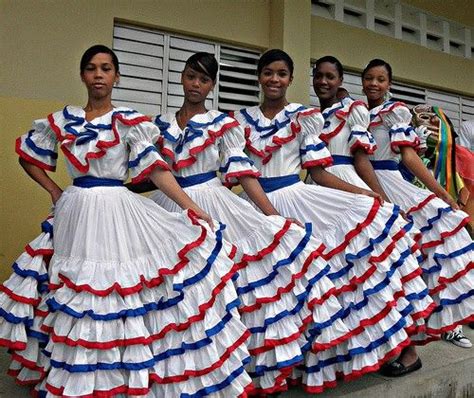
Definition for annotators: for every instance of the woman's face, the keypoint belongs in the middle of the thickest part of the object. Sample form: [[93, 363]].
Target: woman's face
[[99, 76], [274, 80], [375, 83], [326, 81], [196, 85]]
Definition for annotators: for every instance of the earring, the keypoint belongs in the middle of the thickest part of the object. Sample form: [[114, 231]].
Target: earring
[[387, 96]]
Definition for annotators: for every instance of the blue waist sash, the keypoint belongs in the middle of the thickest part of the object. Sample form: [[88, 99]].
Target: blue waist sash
[[341, 159], [270, 184], [90, 182], [385, 164], [195, 179]]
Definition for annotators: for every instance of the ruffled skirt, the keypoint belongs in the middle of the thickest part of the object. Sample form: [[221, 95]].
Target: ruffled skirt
[[287, 300], [376, 276], [140, 302], [447, 251]]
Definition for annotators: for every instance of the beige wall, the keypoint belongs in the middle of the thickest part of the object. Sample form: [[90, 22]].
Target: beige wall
[[355, 47]]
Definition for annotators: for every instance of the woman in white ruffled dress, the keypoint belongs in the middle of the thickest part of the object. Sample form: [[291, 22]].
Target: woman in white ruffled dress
[[367, 246], [446, 247], [287, 301], [139, 301]]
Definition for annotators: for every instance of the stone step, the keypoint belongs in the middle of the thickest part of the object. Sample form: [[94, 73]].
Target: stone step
[[447, 372]]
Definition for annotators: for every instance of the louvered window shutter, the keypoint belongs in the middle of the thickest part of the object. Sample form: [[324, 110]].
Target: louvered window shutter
[[151, 63], [238, 84], [140, 52]]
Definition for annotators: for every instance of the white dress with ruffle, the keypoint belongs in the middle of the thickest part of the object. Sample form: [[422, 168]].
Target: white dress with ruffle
[[287, 301], [140, 301], [448, 250], [345, 130], [366, 246]]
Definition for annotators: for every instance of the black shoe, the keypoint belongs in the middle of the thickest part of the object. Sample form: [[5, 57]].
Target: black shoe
[[397, 369]]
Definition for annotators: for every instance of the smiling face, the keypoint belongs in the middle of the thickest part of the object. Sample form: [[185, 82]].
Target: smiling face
[[375, 84], [196, 85], [274, 80], [99, 76], [326, 81]]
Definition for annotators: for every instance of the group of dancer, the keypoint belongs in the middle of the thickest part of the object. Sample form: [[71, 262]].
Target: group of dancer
[[197, 291]]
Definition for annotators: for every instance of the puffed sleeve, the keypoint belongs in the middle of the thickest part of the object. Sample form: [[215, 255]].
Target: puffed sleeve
[[358, 121], [143, 156], [313, 151], [234, 162], [39, 146], [401, 132]]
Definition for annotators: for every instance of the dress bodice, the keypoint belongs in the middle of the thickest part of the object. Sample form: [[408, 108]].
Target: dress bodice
[[346, 126], [105, 147], [210, 142], [287, 143], [390, 124]]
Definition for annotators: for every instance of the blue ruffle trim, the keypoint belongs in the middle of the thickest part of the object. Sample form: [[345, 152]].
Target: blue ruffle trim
[[220, 386], [356, 351], [192, 131], [36, 149], [25, 273], [309, 148], [350, 258], [135, 162], [274, 128], [235, 159], [281, 263]]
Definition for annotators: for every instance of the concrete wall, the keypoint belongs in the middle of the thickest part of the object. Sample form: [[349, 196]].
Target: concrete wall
[[355, 47]]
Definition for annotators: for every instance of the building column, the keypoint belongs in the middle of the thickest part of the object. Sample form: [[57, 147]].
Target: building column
[[290, 30]]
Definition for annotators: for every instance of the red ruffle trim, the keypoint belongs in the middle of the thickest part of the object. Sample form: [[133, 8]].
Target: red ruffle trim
[[100, 393], [172, 326], [13, 345], [448, 328], [279, 386], [324, 162], [197, 373], [354, 232], [357, 373], [326, 137], [377, 120], [125, 291], [18, 298], [163, 380], [38, 252], [31, 159], [102, 146], [342, 116], [444, 235], [285, 289], [213, 135], [278, 142], [422, 204], [395, 145], [145, 172], [367, 148], [238, 174]]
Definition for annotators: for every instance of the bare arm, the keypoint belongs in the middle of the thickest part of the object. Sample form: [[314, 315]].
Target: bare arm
[[43, 179], [256, 193], [326, 179], [367, 173], [165, 182], [141, 187], [411, 160]]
